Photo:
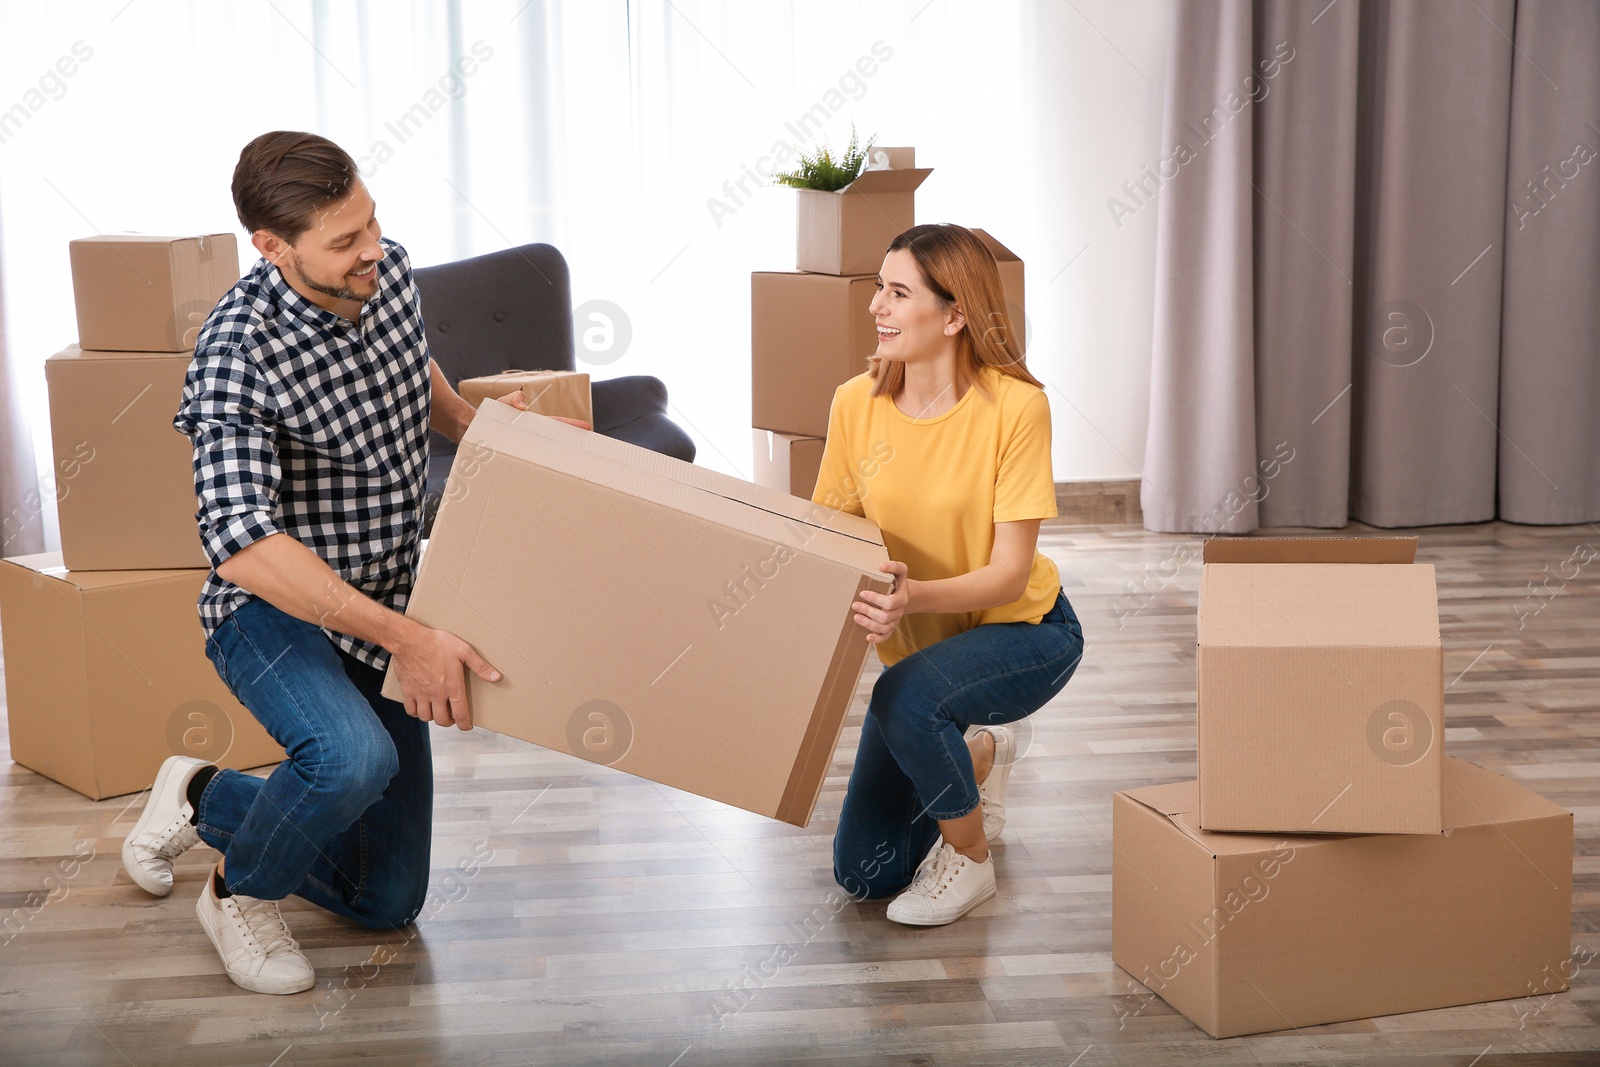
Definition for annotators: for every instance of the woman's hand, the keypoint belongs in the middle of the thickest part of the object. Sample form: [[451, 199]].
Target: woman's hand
[[880, 613]]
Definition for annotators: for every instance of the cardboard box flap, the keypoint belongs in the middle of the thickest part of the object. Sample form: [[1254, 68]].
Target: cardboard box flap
[[1170, 799], [1311, 550], [772, 501], [205, 239], [1179, 802], [887, 181], [591, 457], [1318, 605], [1473, 796], [50, 565], [74, 354], [1238, 844], [46, 563], [1476, 796]]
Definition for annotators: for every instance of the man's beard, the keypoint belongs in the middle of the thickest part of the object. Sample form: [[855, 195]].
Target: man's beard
[[338, 292]]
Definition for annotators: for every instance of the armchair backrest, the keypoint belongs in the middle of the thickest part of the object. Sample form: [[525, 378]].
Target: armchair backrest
[[509, 309]]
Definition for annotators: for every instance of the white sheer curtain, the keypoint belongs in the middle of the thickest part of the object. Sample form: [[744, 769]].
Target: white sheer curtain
[[607, 128], [21, 530]]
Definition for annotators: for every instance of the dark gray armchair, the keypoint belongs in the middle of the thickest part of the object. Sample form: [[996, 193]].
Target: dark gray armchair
[[513, 309]]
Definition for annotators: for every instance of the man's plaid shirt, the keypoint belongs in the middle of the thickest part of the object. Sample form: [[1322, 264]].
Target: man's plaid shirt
[[311, 425]]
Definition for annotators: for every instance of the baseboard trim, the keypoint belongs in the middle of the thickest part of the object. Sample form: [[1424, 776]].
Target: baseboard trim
[[1098, 503]]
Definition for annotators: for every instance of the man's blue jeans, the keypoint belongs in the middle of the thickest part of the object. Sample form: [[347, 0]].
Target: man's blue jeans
[[913, 767], [347, 820]]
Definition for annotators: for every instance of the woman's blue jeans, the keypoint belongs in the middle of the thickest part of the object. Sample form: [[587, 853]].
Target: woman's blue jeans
[[347, 820], [913, 767]]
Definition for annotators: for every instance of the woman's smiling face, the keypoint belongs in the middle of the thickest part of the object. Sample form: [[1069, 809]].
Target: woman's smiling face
[[912, 323]]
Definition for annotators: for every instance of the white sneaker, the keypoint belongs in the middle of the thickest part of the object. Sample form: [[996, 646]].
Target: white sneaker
[[947, 886], [993, 790], [163, 832], [254, 942]]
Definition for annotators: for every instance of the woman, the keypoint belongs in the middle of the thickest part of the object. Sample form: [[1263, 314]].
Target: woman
[[944, 443]]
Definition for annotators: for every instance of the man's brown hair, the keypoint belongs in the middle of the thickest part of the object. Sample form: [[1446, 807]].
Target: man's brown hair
[[283, 178]]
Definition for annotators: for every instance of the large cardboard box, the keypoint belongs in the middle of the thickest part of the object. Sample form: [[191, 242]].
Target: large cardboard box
[[809, 334], [648, 614], [787, 463], [1321, 692], [137, 293], [549, 392], [847, 232], [1245, 933], [106, 676], [1010, 267], [124, 478]]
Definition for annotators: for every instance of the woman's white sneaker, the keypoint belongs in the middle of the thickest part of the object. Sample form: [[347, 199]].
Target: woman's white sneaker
[[254, 942], [993, 790], [947, 886], [163, 832]]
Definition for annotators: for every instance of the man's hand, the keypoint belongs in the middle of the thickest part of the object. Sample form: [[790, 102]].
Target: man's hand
[[432, 684], [880, 613]]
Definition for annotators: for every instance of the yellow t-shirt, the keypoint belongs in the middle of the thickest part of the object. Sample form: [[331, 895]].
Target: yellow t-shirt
[[937, 486]]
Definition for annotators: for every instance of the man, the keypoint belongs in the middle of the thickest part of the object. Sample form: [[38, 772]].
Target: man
[[308, 403]]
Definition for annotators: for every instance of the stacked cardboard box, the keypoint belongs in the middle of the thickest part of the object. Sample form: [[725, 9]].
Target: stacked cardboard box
[[811, 330], [1331, 862], [787, 462], [106, 672], [141, 302]]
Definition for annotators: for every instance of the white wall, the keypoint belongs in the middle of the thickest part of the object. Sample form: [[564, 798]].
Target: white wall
[[608, 137]]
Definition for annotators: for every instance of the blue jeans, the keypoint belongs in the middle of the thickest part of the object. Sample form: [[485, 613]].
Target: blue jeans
[[913, 767], [347, 820]]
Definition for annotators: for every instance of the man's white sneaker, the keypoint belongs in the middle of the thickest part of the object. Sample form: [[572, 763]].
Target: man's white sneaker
[[254, 942], [163, 832], [993, 790], [946, 887]]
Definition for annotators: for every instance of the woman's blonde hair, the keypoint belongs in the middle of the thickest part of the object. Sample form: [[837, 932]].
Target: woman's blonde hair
[[959, 270]]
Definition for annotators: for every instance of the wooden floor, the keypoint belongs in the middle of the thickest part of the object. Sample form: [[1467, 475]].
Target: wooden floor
[[593, 918]]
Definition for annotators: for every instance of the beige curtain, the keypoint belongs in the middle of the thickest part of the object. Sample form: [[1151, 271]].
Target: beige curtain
[[1355, 316]]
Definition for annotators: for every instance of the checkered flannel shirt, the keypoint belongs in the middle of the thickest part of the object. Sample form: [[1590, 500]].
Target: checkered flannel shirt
[[308, 424]]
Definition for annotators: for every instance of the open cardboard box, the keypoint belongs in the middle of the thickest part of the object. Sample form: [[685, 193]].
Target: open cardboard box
[[1245, 933], [846, 232], [648, 614], [1321, 692]]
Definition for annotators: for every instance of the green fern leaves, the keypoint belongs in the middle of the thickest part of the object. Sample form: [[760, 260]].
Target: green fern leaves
[[819, 170]]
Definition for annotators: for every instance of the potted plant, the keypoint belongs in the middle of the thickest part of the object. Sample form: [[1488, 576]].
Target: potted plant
[[848, 214], [818, 169]]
